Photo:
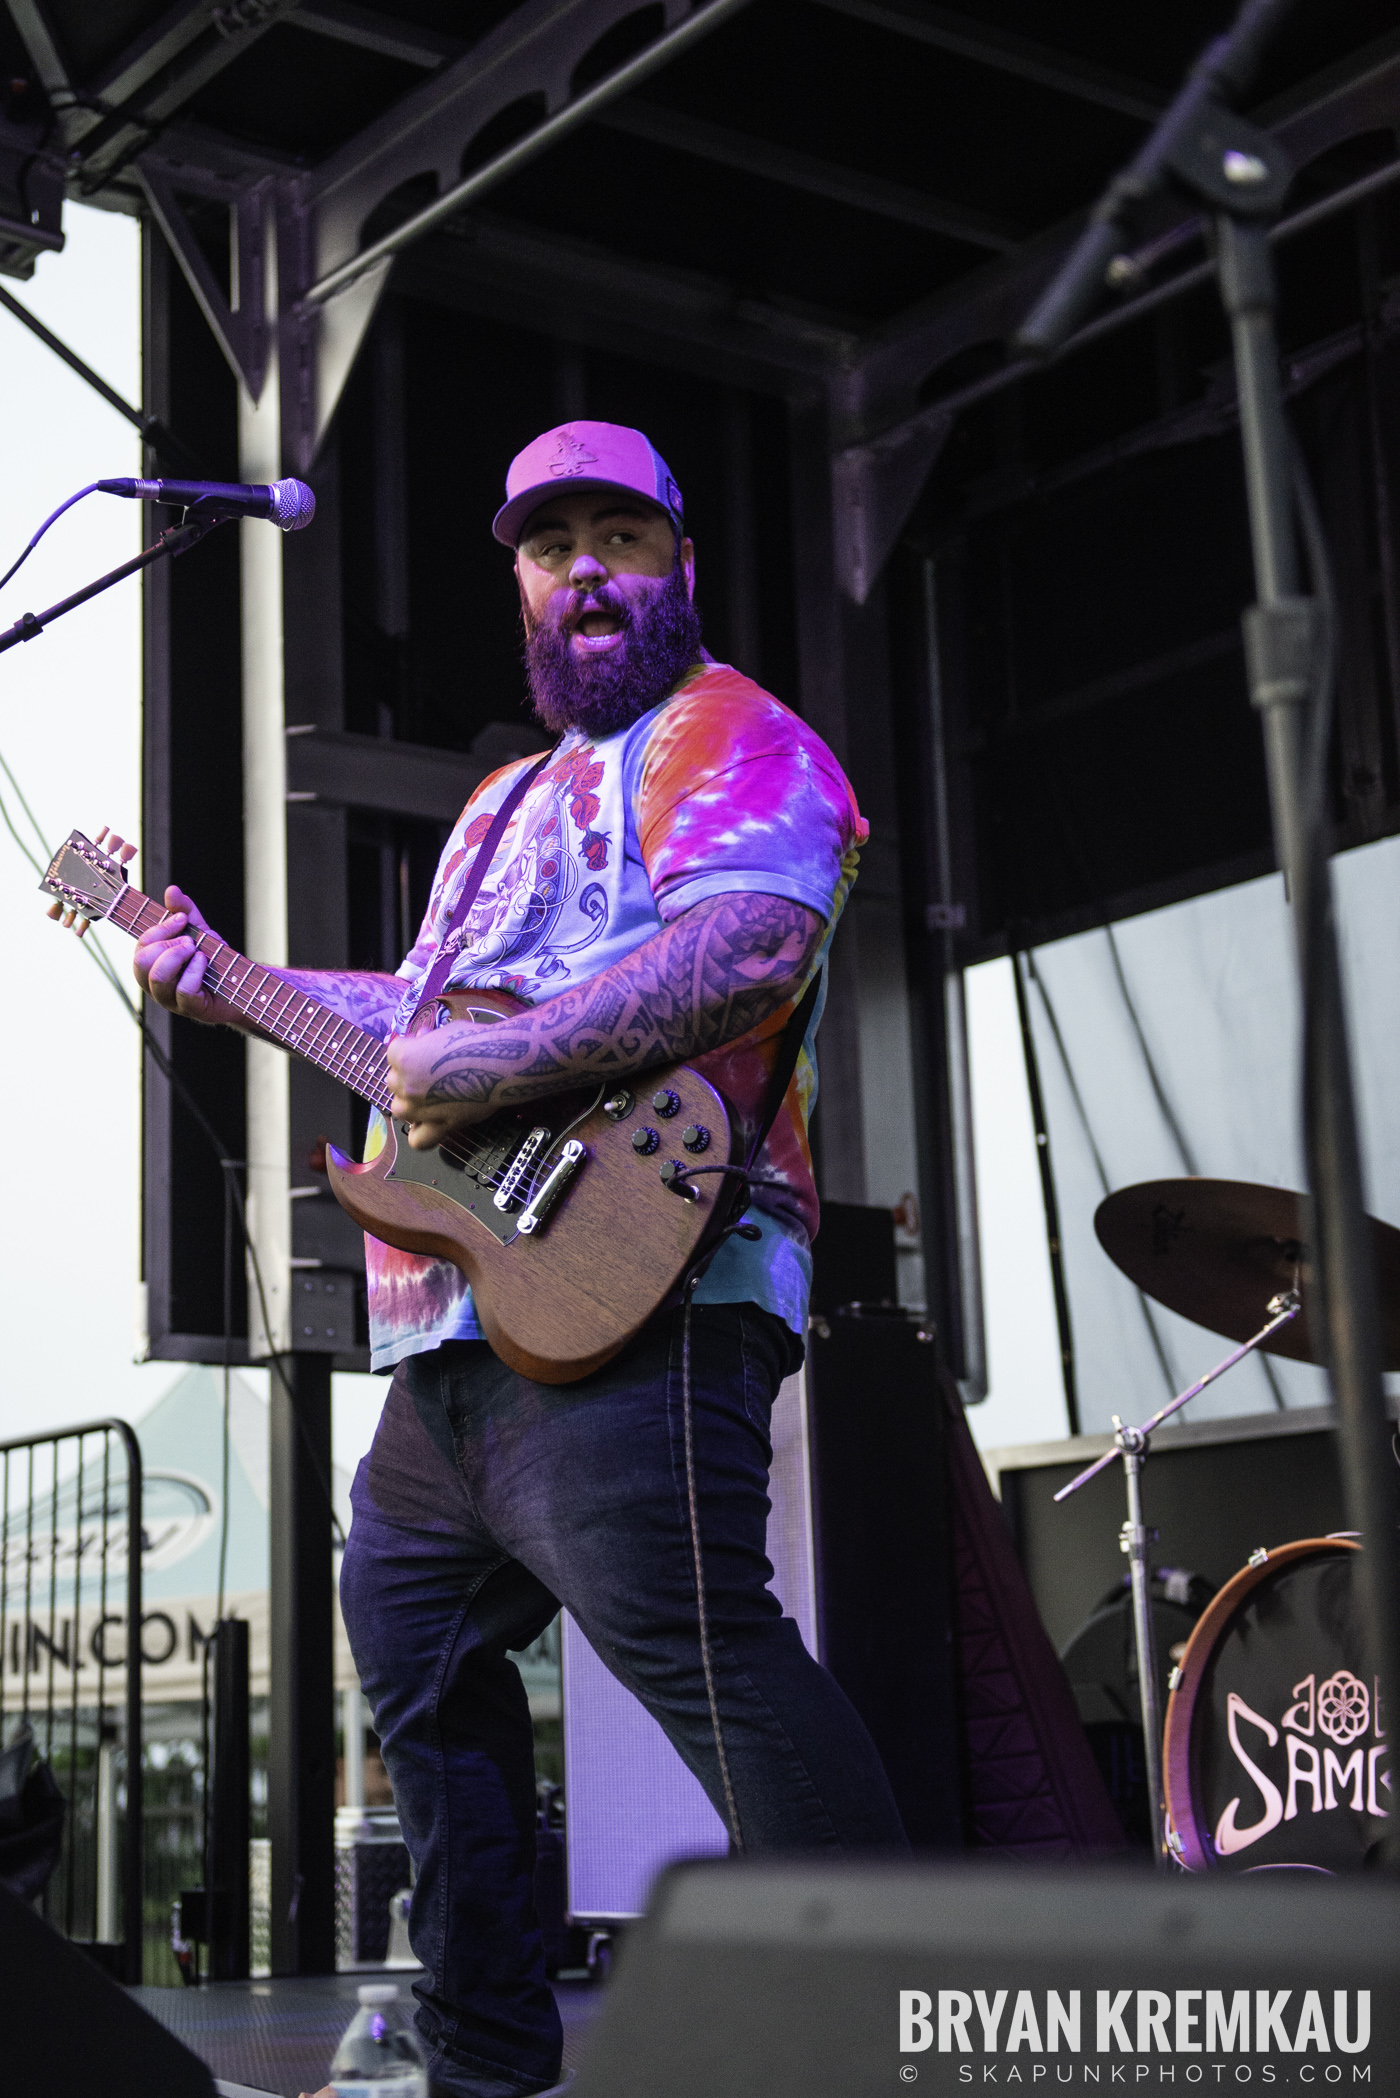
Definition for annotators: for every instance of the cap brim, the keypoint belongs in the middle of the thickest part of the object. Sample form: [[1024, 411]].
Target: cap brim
[[511, 519]]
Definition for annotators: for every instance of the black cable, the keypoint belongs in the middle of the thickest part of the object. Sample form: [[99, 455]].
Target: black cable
[[1158, 1347], [1185, 1150], [1073, 847], [163, 442], [205, 1701], [52, 518], [1178, 1134], [227, 1166], [1323, 1022], [1049, 1199], [702, 1609], [1324, 590], [738, 1229]]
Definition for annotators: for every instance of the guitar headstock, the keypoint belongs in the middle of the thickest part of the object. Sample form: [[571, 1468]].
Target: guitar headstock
[[87, 881]]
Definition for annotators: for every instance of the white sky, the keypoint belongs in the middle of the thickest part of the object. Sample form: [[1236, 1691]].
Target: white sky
[[70, 731]]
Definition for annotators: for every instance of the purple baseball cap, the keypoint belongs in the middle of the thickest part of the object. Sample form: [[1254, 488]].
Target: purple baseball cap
[[581, 457]]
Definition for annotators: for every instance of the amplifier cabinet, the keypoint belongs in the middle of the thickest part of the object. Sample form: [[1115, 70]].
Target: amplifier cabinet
[[1213, 1490]]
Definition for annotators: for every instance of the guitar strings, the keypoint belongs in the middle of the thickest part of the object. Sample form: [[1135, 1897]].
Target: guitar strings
[[371, 1083], [366, 1051]]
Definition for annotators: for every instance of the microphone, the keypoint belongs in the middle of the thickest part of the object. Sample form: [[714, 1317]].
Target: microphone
[[290, 504]]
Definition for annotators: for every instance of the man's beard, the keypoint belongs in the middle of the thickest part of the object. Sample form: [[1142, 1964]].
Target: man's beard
[[601, 694]]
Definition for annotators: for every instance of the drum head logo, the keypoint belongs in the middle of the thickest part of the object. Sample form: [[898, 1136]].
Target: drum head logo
[[1288, 1751], [1343, 1706]]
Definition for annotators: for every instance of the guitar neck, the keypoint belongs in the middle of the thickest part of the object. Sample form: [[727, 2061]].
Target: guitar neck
[[275, 1007]]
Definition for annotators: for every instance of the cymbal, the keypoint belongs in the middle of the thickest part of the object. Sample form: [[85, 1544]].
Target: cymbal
[[1216, 1251]]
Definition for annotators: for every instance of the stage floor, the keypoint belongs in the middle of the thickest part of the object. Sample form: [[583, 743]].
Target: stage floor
[[278, 2036]]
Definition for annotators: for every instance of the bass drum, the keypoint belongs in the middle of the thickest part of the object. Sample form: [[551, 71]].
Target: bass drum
[[1275, 1754]]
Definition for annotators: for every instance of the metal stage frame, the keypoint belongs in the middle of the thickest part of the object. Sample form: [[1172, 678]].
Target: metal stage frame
[[825, 288]]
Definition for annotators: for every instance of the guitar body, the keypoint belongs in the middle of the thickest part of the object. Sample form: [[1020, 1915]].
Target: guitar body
[[559, 1299], [558, 1213]]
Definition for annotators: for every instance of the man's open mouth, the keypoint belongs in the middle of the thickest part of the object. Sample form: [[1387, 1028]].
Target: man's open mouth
[[596, 631]]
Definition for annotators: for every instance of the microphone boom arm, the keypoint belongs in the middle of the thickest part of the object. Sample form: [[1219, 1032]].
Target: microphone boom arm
[[178, 539]]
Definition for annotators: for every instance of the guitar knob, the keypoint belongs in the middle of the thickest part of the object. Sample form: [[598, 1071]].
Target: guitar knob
[[644, 1141], [666, 1103], [696, 1138]]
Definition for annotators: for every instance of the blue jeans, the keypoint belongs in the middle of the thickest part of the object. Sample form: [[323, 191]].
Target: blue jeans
[[486, 1502]]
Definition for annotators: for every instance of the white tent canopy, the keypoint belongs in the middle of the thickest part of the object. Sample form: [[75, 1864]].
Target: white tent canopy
[[185, 1486], [1203, 995]]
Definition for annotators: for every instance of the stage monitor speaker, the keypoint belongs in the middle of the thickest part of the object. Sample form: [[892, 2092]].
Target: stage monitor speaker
[[69, 2029], [858, 1542], [802, 1980]]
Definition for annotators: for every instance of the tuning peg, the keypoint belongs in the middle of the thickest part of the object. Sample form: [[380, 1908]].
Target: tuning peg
[[55, 909], [102, 834], [114, 844], [127, 855], [67, 918], [81, 927]]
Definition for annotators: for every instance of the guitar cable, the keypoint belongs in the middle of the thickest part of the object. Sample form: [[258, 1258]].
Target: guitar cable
[[738, 1229], [91, 489], [234, 1197], [228, 1167]]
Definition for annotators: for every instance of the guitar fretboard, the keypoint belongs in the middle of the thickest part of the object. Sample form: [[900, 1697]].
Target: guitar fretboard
[[277, 1008]]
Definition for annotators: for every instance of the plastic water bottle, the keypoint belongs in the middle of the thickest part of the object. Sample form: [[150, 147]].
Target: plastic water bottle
[[379, 2056]]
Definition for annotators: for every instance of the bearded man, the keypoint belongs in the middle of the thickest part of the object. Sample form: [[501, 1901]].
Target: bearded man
[[666, 889]]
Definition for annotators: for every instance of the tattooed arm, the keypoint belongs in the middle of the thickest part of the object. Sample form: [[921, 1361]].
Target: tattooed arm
[[703, 981], [171, 969]]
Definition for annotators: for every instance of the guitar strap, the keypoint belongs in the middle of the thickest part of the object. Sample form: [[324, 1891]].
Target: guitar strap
[[789, 1049], [448, 949], [794, 1033]]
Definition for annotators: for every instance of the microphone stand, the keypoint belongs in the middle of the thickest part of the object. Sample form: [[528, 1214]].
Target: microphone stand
[[1133, 1445], [176, 539], [1240, 174]]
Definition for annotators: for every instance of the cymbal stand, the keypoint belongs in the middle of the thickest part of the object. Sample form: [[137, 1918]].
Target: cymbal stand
[[1133, 1446]]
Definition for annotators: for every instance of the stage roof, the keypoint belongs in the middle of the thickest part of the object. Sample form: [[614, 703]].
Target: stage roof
[[803, 178]]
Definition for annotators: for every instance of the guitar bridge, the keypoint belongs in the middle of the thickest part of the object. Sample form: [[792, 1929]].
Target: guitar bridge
[[544, 1198], [530, 1151]]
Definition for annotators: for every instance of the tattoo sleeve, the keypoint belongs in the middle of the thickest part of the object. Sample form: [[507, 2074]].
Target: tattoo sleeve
[[705, 980]]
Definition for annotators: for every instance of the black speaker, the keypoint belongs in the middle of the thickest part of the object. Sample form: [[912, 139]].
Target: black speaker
[[882, 1553], [69, 2029], [829, 1981], [853, 1257]]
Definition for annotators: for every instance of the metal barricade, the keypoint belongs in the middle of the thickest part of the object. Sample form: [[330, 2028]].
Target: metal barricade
[[70, 1585]]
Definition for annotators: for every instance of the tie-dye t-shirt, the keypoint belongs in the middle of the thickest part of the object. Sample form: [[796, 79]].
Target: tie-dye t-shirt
[[720, 788]]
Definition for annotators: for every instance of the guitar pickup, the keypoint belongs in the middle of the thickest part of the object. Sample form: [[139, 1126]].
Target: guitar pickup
[[535, 1144], [545, 1197]]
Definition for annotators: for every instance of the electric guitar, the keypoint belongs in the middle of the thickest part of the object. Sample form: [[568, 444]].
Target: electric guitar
[[570, 1216]]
